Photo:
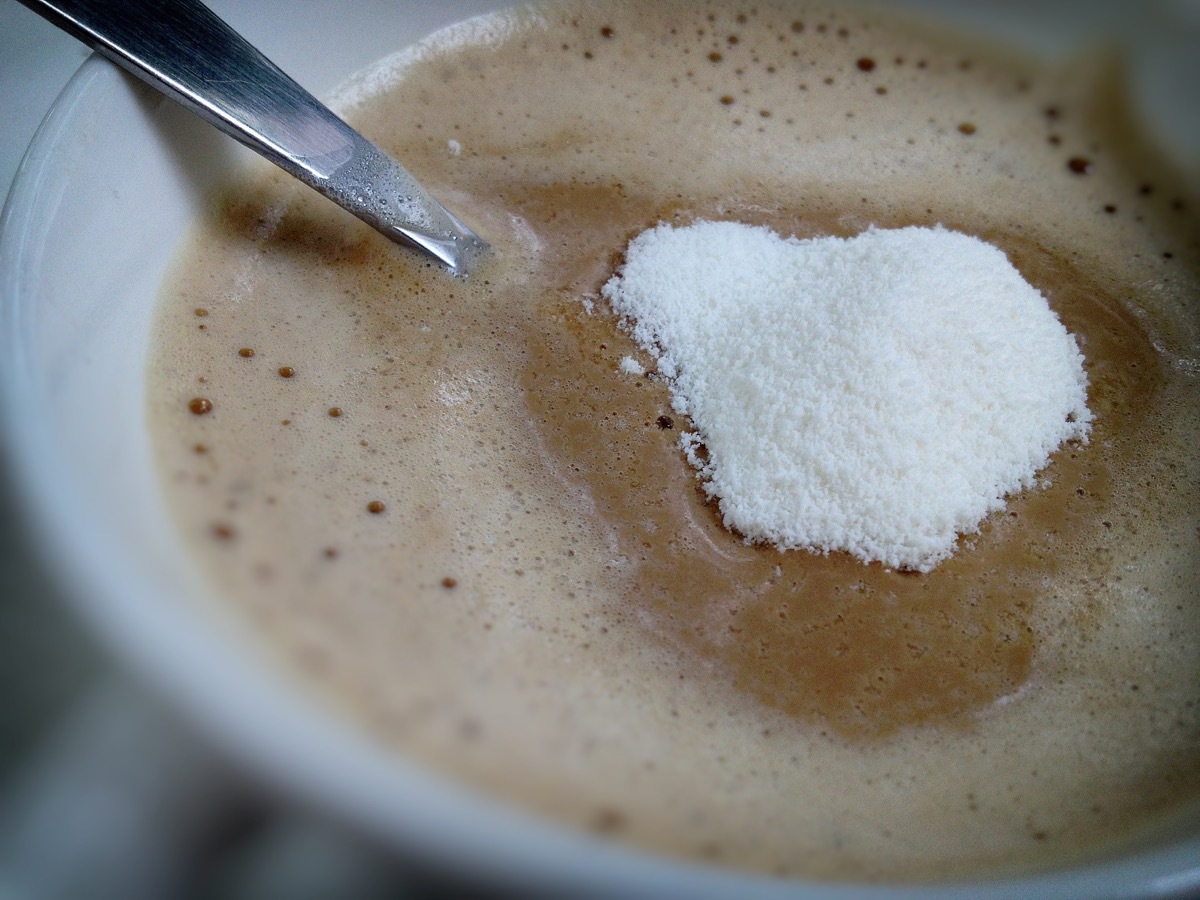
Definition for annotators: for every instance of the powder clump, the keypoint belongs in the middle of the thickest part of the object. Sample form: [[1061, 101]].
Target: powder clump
[[879, 394]]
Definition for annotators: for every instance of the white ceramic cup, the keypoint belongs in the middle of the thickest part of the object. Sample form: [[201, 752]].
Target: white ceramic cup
[[112, 181]]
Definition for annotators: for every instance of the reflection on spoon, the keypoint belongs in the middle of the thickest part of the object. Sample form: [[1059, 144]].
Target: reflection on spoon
[[185, 51]]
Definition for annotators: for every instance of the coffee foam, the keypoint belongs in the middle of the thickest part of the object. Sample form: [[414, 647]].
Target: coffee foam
[[541, 618]]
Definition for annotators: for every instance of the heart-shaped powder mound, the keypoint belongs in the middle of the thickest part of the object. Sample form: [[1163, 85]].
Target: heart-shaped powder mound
[[879, 394]]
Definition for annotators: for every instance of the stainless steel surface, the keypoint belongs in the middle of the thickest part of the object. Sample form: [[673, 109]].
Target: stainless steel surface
[[184, 50]]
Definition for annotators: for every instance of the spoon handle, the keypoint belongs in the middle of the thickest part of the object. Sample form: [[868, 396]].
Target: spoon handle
[[184, 50]]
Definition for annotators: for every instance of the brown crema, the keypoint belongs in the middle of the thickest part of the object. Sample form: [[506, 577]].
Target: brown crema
[[442, 508], [861, 650]]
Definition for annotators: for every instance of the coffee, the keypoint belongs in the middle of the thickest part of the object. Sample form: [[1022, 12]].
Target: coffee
[[443, 507]]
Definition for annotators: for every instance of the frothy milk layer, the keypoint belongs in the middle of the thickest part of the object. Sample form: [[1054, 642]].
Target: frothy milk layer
[[441, 504]]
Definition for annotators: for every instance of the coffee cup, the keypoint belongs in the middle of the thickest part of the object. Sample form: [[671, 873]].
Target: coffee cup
[[113, 181]]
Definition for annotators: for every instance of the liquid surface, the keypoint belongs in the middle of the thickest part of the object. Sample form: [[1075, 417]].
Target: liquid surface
[[440, 504]]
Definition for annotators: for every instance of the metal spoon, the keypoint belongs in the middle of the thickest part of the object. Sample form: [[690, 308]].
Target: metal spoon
[[181, 48]]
